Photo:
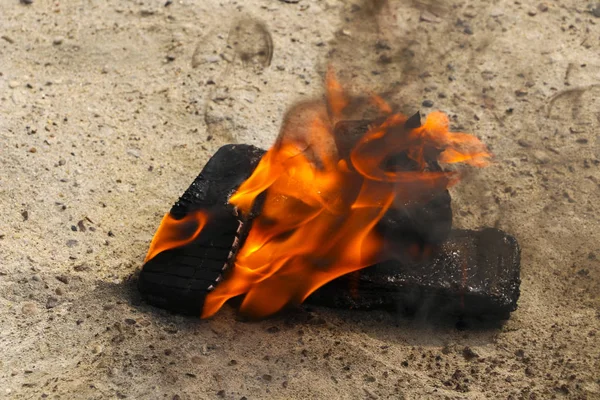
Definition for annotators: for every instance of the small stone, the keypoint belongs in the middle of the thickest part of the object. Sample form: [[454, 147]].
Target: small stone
[[541, 157], [488, 75], [543, 7], [568, 194], [26, 1], [29, 309], [133, 152], [524, 143], [63, 278], [469, 354], [130, 321], [532, 13], [72, 243], [81, 267], [520, 353], [171, 329], [212, 59], [267, 377], [428, 16], [57, 41], [147, 13], [51, 302], [62, 162], [520, 92], [33, 150], [596, 10], [97, 349], [13, 84], [290, 1], [427, 103]]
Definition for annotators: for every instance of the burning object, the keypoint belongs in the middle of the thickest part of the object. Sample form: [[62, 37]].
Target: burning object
[[343, 211]]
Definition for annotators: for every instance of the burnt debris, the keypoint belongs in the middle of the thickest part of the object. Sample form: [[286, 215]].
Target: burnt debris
[[471, 274], [465, 272]]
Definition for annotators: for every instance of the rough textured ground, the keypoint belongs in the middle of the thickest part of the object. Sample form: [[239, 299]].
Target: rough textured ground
[[109, 109]]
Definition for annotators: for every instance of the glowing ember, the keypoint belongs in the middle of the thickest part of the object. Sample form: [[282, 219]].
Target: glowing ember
[[322, 201]]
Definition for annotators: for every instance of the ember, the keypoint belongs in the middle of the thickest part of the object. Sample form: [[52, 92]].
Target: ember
[[334, 195]]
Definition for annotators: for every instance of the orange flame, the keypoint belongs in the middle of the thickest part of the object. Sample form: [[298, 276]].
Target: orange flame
[[320, 207], [173, 233]]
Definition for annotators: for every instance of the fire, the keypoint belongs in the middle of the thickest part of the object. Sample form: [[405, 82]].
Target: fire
[[322, 192], [173, 233]]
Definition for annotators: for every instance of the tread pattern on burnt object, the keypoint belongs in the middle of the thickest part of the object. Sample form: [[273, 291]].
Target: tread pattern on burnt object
[[472, 274], [179, 279]]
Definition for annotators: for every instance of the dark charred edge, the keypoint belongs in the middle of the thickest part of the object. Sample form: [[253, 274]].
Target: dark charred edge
[[413, 122], [179, 279], [472, 274], [221, 176]]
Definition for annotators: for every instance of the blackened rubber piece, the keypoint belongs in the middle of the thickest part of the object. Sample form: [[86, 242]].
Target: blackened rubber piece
[[222, 175], [472, 274], [179, 279]]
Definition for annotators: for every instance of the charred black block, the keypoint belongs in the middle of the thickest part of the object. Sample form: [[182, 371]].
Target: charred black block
[[179, 279], [470, 273], [473, 273]]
